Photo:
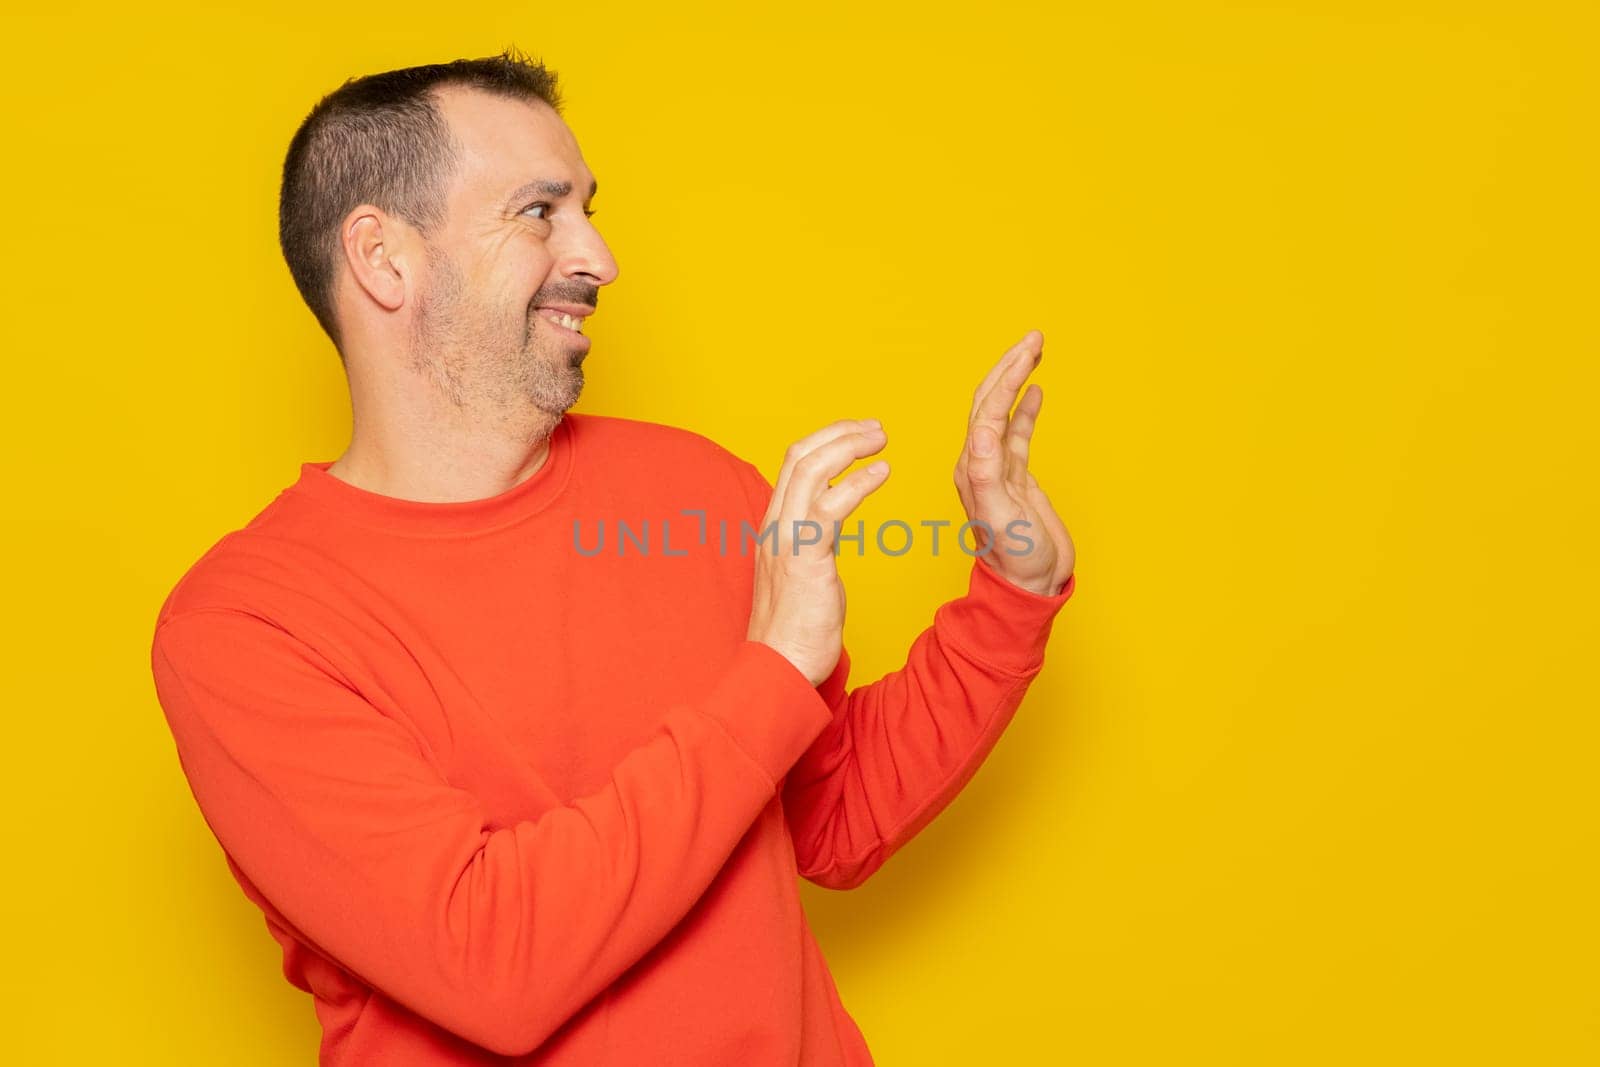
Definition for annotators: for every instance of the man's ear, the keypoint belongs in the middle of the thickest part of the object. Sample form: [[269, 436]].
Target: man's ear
[[373, 243]]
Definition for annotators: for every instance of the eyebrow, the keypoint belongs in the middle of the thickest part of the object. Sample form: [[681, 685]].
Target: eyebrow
[[545, 187]]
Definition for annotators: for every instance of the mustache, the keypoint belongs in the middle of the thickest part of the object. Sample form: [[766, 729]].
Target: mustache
[[568, 293]]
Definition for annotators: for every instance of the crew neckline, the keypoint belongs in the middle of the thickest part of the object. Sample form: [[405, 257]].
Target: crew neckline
[[457, 518]]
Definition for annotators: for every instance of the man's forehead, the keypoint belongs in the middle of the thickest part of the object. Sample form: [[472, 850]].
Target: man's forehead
[[506, 143]]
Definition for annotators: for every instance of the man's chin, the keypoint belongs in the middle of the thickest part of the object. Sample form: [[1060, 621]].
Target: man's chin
[[558, 397]]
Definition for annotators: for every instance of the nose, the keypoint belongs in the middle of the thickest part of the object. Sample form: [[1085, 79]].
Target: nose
[[587, 257]]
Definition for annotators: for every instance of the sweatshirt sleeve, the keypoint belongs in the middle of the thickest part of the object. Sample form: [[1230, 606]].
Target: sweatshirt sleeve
[[340, 819], [897, 751]]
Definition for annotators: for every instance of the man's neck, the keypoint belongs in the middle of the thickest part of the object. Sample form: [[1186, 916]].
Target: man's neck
[[436, 463]]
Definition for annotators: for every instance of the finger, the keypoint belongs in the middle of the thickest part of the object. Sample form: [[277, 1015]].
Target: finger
[[800, 449], [1032, 341], [1030, 344], [812, 471], [987, 428], [985, 452], [1019, 436], [993, 405], [836, 502]]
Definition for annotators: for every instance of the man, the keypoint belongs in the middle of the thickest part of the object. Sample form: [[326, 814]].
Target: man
[[499, 794]]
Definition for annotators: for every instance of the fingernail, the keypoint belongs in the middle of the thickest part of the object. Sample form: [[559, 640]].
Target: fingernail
[[874, 423]]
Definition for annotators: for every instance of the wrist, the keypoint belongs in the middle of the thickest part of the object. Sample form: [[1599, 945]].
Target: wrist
[[1045, 586]]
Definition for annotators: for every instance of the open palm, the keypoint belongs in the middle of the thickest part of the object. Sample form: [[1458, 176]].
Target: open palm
[[994, 482]]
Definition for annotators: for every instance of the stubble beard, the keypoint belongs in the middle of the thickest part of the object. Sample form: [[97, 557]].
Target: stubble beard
[[475, 358]]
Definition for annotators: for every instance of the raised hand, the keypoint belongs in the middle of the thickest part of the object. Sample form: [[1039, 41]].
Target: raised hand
[[797, 606], [994, 482]]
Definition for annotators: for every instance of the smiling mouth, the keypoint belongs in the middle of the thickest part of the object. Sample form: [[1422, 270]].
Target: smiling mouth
[[568, 319]]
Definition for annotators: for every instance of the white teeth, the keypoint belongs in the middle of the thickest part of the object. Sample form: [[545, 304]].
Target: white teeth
[[568, 321]]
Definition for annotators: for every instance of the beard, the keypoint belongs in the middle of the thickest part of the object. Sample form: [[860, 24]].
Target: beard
[[478, 354]]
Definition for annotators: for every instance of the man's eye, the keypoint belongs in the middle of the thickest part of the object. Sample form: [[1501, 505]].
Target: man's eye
[[541, 210]]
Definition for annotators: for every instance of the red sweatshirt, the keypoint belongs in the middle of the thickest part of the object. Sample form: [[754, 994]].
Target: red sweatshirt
[[499, 794]]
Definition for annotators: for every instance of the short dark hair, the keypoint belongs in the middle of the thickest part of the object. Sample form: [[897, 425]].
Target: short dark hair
[[381, 140]]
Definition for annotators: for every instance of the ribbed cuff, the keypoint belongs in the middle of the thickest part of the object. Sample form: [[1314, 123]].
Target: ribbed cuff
[[1004, 625], [768, 707]]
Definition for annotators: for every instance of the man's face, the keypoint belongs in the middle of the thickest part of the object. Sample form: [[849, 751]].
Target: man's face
[[515, 255]]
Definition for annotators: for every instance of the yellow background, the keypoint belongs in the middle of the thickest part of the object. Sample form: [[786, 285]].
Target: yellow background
[[1310, 777]]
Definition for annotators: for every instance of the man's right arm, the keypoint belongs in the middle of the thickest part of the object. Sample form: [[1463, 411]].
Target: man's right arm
[[341, 819]]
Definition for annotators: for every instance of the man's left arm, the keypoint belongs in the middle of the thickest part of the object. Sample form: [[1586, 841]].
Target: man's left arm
[[899, 750]]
